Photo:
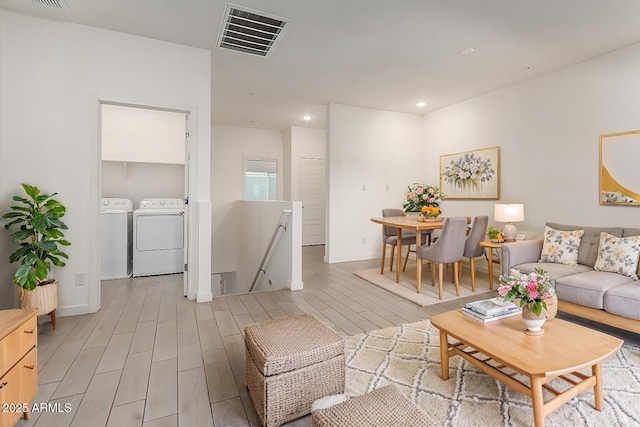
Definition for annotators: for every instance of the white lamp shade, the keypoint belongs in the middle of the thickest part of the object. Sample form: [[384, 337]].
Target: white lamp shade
[[509, 212]]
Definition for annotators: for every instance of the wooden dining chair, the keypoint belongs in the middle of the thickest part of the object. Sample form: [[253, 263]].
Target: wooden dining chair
[[390, 237], [448, 249]]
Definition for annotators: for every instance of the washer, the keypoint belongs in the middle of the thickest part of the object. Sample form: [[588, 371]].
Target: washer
[[116, 240], [158, 237]]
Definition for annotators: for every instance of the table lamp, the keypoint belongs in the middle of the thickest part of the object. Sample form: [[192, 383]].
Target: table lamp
[[509, 213]]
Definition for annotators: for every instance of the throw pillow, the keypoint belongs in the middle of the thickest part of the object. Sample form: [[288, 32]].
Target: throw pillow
[[618, 255], [560, 247]]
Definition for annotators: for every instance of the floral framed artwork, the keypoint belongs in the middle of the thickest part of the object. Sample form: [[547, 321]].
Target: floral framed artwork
[[471, 174], [619, 180]]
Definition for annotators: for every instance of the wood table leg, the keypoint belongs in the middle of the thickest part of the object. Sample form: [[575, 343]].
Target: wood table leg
[[444, 355], [418, 262], [537, 402], [384, 254], [490, 261], [398, 255], [596, 370]]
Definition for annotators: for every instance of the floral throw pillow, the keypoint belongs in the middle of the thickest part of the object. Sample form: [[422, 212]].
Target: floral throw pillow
[[561, 247], [618, 255]]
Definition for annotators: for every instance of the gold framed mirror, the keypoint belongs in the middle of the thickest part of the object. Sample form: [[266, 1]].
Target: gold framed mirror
[[619, 178]]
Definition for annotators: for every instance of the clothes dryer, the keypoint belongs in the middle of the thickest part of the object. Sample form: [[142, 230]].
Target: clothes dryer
[[158, 237], [116, 238]]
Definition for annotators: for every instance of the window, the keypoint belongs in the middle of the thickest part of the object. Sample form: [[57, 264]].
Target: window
[[261, 179]]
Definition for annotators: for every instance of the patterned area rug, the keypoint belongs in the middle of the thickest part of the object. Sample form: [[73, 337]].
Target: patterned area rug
[[428, 294], [409, 356]]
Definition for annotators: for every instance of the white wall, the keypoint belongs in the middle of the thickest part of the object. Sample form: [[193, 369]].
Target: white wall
[[370, 148], [53, 76], [257, 221], [8, 294], [548, 131], [230, 145], [137, 181]]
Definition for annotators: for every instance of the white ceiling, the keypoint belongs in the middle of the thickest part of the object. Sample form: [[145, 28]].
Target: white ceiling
[[382, 54]]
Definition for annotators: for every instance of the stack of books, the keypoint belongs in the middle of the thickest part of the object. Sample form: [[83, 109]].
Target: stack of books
[[491, 309]]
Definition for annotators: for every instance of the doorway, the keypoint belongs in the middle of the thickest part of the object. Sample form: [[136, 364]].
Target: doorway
[[312, 174], [145, 155]]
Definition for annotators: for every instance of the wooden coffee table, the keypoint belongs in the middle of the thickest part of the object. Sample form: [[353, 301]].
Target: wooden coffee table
[[564, 349]]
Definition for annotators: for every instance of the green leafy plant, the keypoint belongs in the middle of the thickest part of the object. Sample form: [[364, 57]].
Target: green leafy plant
[[493, 233], [39, 234]]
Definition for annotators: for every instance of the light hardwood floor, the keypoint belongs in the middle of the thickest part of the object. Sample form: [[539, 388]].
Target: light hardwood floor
[[152, 358]]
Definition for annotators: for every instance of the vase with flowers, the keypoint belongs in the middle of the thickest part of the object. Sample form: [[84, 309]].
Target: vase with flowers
[[533, 290], [424, 199]]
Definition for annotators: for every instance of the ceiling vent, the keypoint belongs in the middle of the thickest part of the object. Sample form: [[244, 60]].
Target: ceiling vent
[[56, 4], [250, 31]]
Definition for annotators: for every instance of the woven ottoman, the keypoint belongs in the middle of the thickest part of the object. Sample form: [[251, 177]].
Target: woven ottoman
[[290, 363], [385, 406]]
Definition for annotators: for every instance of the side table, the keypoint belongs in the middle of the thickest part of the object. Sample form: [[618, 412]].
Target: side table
[[488, 244]]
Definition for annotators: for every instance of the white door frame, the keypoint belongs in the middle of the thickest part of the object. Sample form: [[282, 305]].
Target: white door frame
[[95, 191]]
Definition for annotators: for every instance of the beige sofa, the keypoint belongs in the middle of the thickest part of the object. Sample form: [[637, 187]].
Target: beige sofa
[[604, 297]]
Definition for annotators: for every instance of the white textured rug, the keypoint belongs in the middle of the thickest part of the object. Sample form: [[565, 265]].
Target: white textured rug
[[409, 356], [428, 294]]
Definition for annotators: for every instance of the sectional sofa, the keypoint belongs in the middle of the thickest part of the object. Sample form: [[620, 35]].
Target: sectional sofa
[[608, 297]]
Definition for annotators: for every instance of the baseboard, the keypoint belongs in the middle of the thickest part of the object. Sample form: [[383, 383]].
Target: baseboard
[[294, 286], [204, 297], [335, 260], [74, 310]]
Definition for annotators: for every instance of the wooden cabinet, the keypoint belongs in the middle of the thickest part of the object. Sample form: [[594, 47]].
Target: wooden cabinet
[[18, 364]]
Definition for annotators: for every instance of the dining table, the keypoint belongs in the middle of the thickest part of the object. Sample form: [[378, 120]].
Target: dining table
[[407, 222]]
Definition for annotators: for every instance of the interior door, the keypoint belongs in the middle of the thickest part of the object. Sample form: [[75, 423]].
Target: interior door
[[312, 171]]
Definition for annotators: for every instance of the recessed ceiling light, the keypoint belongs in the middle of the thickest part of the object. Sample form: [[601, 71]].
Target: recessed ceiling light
[[527, 68], [467, 51], [421, 104], [306, 117], [254, 122]]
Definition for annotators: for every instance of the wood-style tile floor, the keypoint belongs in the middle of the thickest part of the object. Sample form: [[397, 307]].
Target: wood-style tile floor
[[152, 358]]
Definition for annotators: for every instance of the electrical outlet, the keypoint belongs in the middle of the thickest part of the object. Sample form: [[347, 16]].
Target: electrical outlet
[[387, 188], [364, 240], [81, 279], [364, 187]]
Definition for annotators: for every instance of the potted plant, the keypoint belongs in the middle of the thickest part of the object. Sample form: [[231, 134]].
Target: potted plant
[[534, 291], [39, 235], [493, 234]]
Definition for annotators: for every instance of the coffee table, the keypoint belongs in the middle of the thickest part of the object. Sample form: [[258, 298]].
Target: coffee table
[[564, 349]]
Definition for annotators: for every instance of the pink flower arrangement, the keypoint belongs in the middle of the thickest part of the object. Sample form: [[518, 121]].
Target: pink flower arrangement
[[420, 195], [532, 288]]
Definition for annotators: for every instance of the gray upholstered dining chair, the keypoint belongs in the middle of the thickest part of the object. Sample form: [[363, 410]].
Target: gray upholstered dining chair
[[472, 248], [448, 249], [390, 237]]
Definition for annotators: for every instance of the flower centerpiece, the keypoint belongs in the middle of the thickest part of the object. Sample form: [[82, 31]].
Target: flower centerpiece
[[533, 290], [424, 199]]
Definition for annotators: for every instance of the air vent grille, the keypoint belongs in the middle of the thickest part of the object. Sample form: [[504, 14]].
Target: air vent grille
[[250, 31], [56, 4]]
